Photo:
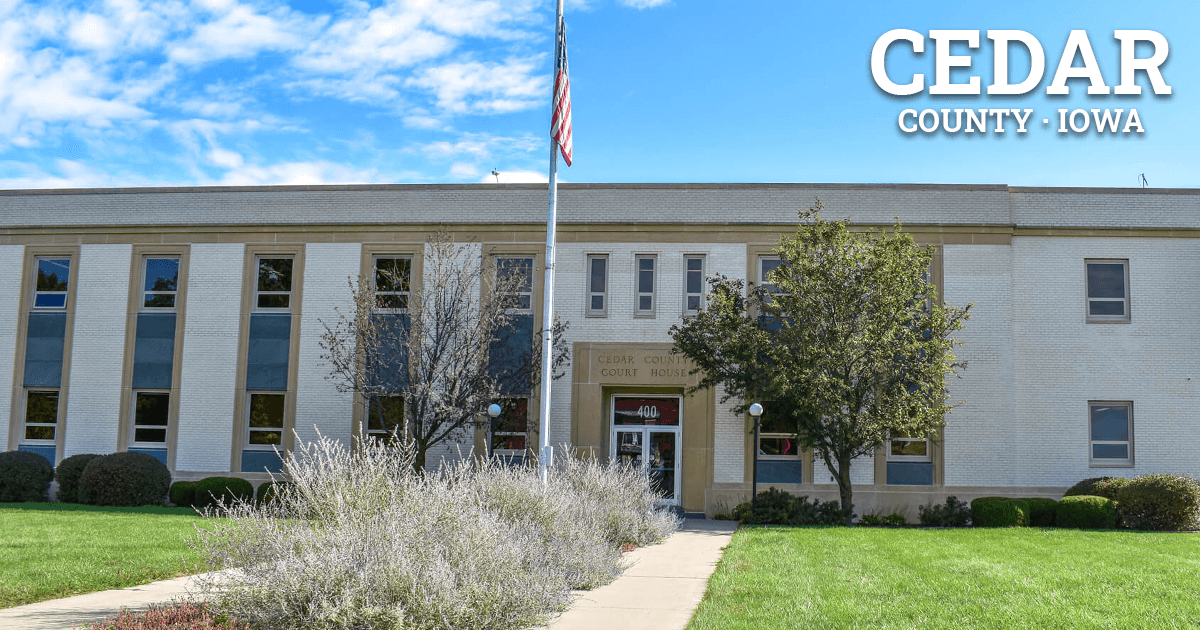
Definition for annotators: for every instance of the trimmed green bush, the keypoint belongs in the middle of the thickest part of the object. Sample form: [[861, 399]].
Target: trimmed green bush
[[268, 491], [1084, 512], [68, 474], [183, 493], [24, 476], [894, 519], [124, 479], [1041, 511], [1106, 487], [952, 513], [999, 512], [1160, 502], [776, 507], [212, 491]]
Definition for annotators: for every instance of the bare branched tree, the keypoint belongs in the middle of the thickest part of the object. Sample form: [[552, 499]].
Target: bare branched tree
[[426, 363]]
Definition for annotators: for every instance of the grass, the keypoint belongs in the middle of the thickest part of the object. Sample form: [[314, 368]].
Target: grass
[[953, 578], [50, 550]]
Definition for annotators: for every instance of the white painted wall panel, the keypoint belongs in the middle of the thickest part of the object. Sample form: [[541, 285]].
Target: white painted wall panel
[[93, 414], [12, 258]]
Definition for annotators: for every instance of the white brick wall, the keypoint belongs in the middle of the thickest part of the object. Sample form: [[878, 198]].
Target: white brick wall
[[862, 471], [979, 437], [318, 403], [729, 441], [210, 343], [97, 348], [11, 261]]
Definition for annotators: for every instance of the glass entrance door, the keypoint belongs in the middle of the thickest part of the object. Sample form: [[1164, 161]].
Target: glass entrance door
[[646, 435]]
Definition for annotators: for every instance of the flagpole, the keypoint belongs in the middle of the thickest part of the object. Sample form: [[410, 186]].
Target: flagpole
[[547, 454]]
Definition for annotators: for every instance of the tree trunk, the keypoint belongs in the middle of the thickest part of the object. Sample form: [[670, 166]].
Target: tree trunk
[[845, 489], [419, 456]]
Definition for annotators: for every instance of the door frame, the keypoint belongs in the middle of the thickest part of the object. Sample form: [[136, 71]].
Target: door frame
[[677, 430]]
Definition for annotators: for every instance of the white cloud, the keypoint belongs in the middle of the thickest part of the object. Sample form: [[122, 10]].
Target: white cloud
[[517, 177], [463, 170], [642, 4], [224, 158], [478, 146], [240, 32], [71, 174], [488, 88], [314, 172]]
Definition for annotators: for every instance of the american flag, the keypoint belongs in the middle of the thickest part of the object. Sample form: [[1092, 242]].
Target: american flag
[[560, 121]]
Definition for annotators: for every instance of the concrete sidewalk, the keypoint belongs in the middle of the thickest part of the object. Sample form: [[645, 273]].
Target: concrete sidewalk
[[660, 590]]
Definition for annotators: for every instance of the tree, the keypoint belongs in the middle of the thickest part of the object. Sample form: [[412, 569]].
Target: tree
[[426, 363], [848, 341]]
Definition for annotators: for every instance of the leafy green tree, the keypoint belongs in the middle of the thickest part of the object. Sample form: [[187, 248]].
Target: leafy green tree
[[848, 341]]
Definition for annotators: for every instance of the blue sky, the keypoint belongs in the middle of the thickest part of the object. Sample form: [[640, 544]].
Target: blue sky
[[244, 92]]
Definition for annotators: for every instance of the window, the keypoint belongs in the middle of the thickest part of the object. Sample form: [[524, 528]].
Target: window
[[510, 429], [597, 269], [393, 275], [645, 285], [50, 289], [776, 436], [1107, 290], [1111, 429], [767, 264], [160, 283], [41, 414], [385, 419], [518, 271], [274, 288], [693, 284], [150, 414], [265, 419], [908, 448]]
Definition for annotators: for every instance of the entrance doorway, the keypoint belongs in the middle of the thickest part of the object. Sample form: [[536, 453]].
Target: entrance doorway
[[646, 434]]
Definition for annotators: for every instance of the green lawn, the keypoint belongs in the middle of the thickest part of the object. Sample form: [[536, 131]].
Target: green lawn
[[50, 550], [953, 578]]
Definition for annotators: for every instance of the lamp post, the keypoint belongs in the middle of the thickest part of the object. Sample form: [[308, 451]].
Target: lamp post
[[493, 411], [756, 411]]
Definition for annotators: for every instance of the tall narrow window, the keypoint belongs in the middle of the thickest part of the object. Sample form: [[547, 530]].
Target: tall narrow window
[[1107, 290], [517, 273], [150, 417], [510, 430], [693, 284], [645, 285], [41, 415], [160, 283], [597, 266], [265, 415], [1111, 429], [385, 419], [50, 289], [274, 288], [393, 275], [767, 264]]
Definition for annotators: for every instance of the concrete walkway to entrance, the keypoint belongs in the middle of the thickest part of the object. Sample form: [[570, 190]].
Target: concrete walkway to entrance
[[660, 590]]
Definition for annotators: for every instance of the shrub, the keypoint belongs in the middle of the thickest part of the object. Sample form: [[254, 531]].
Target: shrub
[[999, 512], [358, 540], [1106, 487], [24, 476], [216, 491], [183, 493], [1041, 511], [894, 519], [952, 513], [1086, 512], [181, 616], [1160, 502], [68, 473], [125, 479], [268, 491], [776, 507]]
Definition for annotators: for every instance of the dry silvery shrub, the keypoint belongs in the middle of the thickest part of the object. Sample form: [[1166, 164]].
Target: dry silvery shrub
[[357, 539]]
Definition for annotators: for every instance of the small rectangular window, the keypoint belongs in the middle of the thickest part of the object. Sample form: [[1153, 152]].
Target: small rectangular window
[[597, 280], [50, 287], [776, 436], [645, 285], [150, 417], [1111, 431], [908, 448], [393, 277], [693, 284], [510, 429], [41, 415], [385, 419], [767, 264], [274, 288], [517, 273], [264, 417], [1107, 291], [160, 283]]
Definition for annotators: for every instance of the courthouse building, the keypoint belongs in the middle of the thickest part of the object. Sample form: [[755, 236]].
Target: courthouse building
[[184, 323]]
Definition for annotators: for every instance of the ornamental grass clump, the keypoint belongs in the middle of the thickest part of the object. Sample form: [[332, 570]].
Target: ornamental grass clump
[[357, 539]]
